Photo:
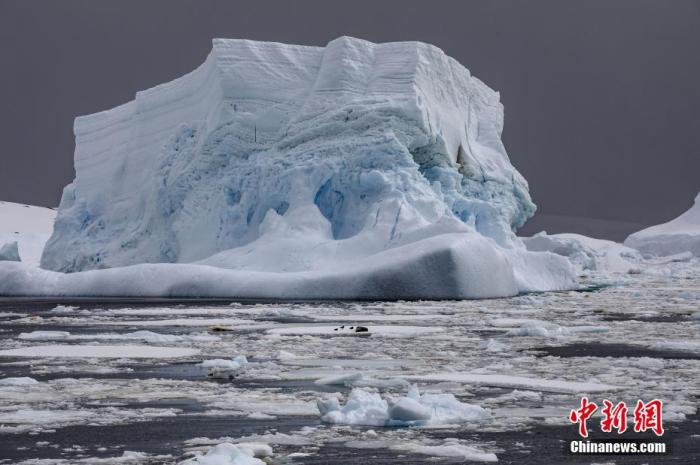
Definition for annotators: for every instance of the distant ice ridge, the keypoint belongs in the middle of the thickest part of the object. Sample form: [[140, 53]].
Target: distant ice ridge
[[355, 170], [586, 253], [680, 235]]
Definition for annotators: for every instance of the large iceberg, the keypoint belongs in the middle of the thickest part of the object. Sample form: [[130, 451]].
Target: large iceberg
[[680, 235], [355, 170]]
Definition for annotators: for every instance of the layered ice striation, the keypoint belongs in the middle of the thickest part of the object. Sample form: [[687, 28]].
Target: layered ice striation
[[381, 159]]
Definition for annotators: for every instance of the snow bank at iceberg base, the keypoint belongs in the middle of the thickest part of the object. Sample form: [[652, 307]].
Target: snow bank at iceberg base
[[364, 407], [680, 235], [586, 253], [454, 266]]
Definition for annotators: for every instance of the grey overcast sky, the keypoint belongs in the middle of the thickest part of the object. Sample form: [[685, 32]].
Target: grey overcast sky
[[602, 97]]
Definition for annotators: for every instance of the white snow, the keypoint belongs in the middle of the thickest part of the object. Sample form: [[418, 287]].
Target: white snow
[[27, 225], [99, 351], [355, 170], [364, 407], [679, 235], [586, 253]]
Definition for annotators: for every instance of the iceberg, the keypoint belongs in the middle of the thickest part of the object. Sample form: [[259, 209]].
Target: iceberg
[[680, 235], [29, 227], [355, 170], [587, 254], [364, 407]]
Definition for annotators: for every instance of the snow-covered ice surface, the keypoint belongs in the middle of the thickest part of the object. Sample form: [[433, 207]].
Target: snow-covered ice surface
[[507, 370], [351, 171], [680, 235], [29, 226]]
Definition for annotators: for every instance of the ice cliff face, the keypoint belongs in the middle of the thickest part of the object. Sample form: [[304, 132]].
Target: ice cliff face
[[385, 137], [273, 157]]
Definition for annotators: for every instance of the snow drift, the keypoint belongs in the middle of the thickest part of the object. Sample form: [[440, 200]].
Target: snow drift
[[677, 236], [355, 170]]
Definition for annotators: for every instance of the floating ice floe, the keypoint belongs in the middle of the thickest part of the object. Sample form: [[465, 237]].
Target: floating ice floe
[[364, 407], [692, 347], [44, 335], [64, 309], [232, 454], [99, 351], [21, 381], [518, 382], [225, 368], [146, 336], [374, 330], [449, 448], [537, 328]]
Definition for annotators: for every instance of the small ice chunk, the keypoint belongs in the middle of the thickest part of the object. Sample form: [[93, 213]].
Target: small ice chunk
[[63, 309], [232, 454], [44, 335], [21, 381]]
